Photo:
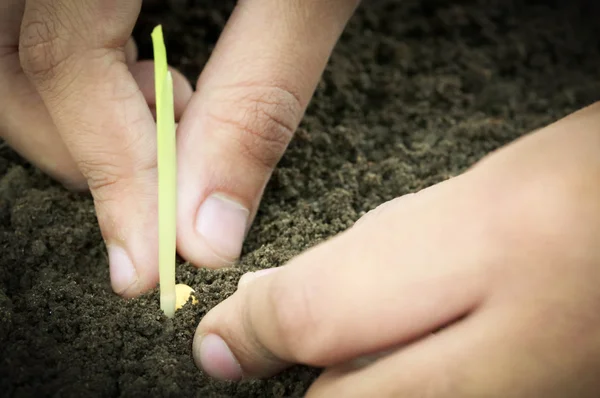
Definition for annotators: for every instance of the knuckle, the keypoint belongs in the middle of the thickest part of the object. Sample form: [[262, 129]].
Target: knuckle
[[40, 45], [263, 120], [100, 175], [104, 179], [296, 322]]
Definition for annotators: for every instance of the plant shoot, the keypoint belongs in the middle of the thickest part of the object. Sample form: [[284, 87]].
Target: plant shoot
[[167, 174]]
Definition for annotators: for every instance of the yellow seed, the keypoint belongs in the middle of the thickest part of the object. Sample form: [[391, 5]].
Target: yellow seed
[[182, 295]]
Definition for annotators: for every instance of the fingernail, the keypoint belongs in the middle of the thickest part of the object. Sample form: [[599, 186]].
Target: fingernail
[[250, 276], [222, 223], [122, 272], [217, 360]]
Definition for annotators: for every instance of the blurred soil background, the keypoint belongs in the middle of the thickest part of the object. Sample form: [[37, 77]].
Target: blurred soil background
[[416, 92]]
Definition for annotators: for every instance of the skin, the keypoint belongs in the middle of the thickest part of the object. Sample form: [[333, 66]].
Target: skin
[[74, 101], [483, 285]]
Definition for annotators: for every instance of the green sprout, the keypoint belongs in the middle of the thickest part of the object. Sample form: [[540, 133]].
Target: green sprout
[[167, 174]]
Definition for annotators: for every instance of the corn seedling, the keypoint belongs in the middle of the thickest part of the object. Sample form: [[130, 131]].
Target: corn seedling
[[167, 173], [172, 297]]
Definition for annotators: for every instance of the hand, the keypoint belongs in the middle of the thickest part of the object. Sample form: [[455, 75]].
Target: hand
[[74, 101], [76, 104], [485, 285]]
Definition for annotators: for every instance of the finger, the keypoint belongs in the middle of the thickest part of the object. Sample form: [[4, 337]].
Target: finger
[[143, 73], [249, 101], [536, 335], [131, 51], [498, 352], [73, 52], [24, 121], [427, 368], [320, 309]]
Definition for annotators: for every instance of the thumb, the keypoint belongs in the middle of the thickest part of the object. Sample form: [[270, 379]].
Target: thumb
[[249, 101], [73, 53], [321, 310]]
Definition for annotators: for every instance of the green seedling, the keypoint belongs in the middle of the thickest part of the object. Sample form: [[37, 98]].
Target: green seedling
[[167, 174], [172, 297]]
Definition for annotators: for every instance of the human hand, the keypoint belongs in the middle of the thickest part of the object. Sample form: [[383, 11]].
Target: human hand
[[76, 104], [485, 285], [74, 101]]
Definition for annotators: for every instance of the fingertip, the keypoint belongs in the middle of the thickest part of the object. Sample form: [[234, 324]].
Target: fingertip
[[125, 278], [230, 341], [221, 222], [213, 355], [123, 275], [211, 234]]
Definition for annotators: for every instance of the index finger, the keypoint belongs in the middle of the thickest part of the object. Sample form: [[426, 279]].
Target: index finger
[[73, 53]]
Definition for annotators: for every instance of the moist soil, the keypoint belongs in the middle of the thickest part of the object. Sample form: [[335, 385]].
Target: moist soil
[[415, 92]]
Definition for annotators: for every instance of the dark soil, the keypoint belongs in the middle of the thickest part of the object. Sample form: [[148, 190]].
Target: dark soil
[[415, 92]]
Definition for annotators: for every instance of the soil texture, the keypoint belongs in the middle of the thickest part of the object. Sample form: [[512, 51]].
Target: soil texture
[[415, 92]]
